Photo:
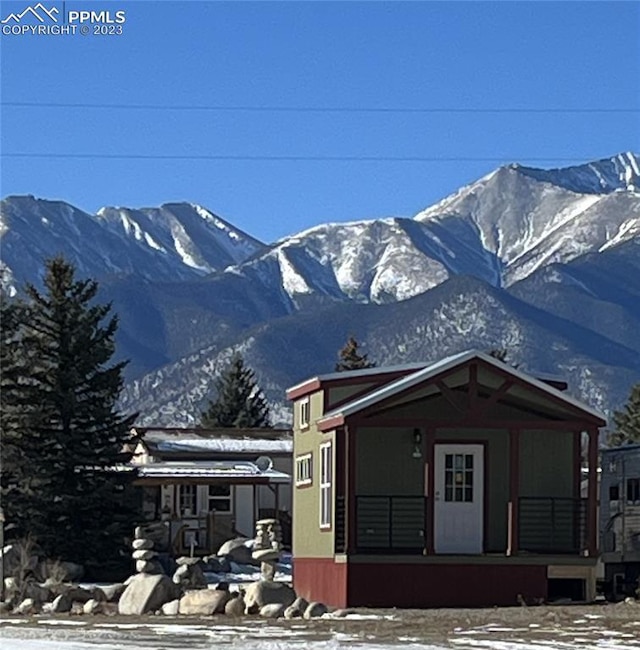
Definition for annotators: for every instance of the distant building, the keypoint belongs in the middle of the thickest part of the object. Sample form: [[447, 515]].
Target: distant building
[[213, 484], [620, 520], [451, 484]]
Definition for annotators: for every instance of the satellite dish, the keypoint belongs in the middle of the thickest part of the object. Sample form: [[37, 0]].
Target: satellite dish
[[264, 463]]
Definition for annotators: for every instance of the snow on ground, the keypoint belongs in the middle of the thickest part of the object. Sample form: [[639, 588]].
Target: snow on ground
[[364, 630]]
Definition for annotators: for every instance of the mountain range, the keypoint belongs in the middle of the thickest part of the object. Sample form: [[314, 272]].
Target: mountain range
[[542, 262]]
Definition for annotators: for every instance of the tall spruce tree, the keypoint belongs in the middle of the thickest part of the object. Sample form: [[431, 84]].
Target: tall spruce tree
[[627, 421], [62, 435], [351, 359], [239, 402]]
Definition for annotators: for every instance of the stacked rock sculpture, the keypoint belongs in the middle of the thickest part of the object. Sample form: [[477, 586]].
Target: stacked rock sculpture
[[146, 558], [267, 546]]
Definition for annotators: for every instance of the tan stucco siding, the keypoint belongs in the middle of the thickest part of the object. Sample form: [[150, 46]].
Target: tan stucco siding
[[309, 540], [496, 474], [546, 464], [385, 463]]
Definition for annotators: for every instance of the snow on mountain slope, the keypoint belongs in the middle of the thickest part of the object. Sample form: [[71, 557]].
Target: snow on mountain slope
[[367, 261], [600, 177], [177, 241], [528, 218], [201, 240], [460, 313]]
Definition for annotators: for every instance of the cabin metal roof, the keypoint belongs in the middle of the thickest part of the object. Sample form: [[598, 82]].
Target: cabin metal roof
[[161, 441], [448, 363], [226, 470]]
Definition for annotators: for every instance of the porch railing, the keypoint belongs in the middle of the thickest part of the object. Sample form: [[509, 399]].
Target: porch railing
[[390, 523], [340, 525], [552, 525]]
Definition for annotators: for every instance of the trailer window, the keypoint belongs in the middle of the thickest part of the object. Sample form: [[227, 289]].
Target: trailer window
[[633, 490]]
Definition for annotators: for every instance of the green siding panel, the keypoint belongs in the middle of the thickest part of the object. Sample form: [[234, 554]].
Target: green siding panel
[[546, 464]]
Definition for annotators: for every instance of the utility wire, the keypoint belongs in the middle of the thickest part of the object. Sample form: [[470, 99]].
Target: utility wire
[[130, 156], [313, 109]]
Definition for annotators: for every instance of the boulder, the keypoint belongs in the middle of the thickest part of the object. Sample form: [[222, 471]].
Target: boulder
[[190, 577], [92, 606], [36, 592], [296, 609], [171, 608], [236, 550], [273, 610], [266, 555], [142, 544], [315, 610], [61, 604], [27, 607], [156, 532], [235, 607], [146, 593], [144, 554], [79, 594], [149, 566], [203, 602], [217, 564], [261, 593], [185, 560], [113, 592]]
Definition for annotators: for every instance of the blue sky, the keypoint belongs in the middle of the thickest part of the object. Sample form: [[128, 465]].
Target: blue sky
[[545, 59]]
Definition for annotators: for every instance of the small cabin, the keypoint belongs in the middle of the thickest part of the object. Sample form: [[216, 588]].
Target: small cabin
[[451, 484], [213, 484]]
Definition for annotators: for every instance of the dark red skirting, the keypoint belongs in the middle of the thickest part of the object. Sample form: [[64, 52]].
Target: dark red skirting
[[418, 585], [321, 579]]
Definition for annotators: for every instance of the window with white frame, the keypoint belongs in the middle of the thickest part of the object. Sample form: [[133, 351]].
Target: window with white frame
[[304, 413], [326, 491], [187, 499], [304, 469], [220, 498]]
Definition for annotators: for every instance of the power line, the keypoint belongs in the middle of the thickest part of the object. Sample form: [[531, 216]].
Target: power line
[[316, 109], [285, 158]]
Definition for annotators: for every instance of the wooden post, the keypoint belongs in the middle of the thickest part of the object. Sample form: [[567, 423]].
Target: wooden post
[[255, 506], [350, 496], [577, 464], [592, 494], [514, 492], [430, 436]]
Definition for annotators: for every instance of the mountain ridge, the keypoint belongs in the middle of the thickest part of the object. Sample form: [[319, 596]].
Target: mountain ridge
[[190, 288]]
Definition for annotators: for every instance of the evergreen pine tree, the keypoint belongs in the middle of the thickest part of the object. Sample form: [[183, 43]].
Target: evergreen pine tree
[[239, 401], [351, 359], [62, 435], [627, 421]]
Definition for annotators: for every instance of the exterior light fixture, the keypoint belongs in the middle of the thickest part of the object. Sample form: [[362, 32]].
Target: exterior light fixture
[[417, 443]]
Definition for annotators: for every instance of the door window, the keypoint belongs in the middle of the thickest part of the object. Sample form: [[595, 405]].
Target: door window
[[458, 477]]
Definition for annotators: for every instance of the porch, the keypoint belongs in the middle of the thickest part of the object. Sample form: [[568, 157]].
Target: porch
[[397, 525], [207, 503]]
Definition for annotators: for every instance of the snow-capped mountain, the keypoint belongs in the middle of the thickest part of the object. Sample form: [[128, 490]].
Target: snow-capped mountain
[[530, 218], [543, 262], [178, 241], [500, 229]]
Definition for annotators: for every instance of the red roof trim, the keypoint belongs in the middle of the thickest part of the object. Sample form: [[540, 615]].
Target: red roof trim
[[312, 385]]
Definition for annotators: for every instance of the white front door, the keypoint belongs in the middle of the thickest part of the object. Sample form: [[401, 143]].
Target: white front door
[[459, 498]]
